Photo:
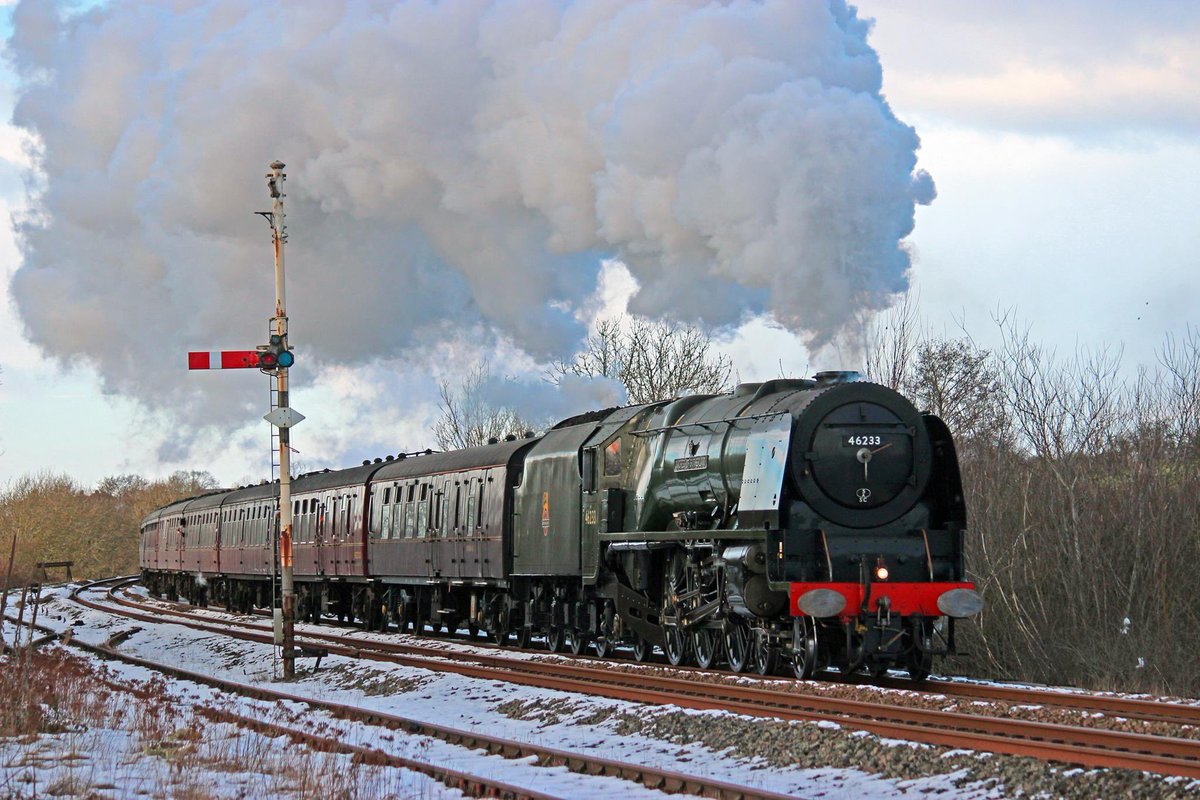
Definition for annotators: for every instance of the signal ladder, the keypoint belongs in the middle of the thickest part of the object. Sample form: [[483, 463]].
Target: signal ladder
[[276, 576]]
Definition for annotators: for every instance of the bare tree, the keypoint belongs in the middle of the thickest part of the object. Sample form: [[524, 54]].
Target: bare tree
[[892, 339], [59, 519], [469, 418], [959, 382], [654, 360]]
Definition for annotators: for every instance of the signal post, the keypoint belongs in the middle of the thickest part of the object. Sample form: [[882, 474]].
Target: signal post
[[273, 358], [275, 179]]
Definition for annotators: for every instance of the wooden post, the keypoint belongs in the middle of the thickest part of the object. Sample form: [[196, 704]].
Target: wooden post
[[12, 554], [37, 602], [20, 618]]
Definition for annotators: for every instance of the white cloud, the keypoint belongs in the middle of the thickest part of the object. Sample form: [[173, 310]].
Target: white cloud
[[1084, 69]]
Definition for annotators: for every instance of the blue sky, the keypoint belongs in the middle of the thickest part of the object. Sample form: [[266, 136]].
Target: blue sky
[[1063, 142]]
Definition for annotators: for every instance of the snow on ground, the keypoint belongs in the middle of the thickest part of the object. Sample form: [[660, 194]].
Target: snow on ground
[[554, 719]]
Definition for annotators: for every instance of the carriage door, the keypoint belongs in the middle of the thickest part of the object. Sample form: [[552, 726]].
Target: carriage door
[[179, 563], [319, 539]]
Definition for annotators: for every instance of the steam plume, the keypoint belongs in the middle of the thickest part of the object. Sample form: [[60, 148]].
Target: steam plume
[[451, 165]]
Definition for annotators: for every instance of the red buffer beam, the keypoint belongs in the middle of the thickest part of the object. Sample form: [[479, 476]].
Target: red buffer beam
[[224, 359]]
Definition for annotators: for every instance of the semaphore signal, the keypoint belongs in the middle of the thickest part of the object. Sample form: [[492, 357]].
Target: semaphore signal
[[266, 356], [274, 358], [225, 359]]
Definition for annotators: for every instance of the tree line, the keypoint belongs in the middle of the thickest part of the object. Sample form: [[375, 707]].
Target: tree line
[[1081, 487], [52, 517]]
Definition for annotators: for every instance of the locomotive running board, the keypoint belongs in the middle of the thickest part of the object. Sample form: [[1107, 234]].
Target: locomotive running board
[[635, 611]]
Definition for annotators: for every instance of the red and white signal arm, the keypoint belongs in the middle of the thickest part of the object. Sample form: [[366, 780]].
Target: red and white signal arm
[[223, 359]]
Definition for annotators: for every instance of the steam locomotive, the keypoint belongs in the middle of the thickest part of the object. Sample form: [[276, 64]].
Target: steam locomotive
[[812, 523]]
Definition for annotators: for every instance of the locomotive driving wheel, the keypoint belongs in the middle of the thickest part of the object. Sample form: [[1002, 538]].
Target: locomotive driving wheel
[[676, 641], [705, 643], [766, 653], [737, 644]]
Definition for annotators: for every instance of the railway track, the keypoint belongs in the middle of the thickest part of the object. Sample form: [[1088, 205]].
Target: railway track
[[650, 777], [1170, 713], [1092, 747]]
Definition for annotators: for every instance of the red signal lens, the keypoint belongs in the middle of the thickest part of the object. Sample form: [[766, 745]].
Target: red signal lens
[[268, 360]]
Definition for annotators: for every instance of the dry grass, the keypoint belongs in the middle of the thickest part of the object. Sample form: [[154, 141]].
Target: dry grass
[[73, 728]]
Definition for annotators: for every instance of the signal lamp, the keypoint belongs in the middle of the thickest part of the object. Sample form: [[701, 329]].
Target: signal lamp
[[267, 360], [881, 571], [285, 358]]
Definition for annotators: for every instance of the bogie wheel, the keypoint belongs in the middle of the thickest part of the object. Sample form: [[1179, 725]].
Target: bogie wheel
[[766, 654], [920, 660], [705, 643], [419, 618], [641, 648], [499, 629], [524, 634], [604, 639], [554, 638], [737, 645], [576, 640], [804, 647], [603, 648], [856, 653]]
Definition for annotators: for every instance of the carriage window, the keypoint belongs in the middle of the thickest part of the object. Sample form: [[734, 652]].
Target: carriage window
[[479, 508], [470, 510], [457, 509], [387, 515], [443, 511], [422, 515]]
